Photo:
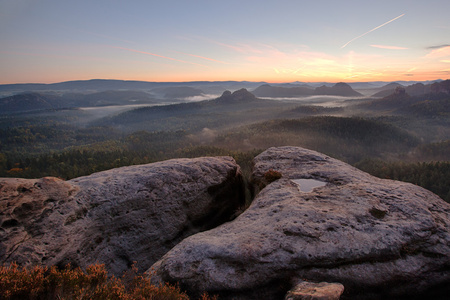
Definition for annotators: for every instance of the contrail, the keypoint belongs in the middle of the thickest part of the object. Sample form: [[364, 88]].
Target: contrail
[[372, 30]]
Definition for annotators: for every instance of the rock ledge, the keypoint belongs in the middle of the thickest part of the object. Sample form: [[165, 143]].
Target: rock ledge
[[379, 238]]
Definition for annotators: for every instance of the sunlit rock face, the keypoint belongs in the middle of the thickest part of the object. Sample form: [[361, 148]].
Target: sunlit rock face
[[116, 217], [379, 238]]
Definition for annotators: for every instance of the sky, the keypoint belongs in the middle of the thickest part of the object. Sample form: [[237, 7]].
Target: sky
[[47, 41]]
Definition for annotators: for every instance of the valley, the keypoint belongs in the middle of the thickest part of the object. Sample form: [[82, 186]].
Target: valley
[[73, 129]]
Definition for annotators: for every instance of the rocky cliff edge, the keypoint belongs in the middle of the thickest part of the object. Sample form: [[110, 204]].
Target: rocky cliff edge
[[116, 217], [320, 219]]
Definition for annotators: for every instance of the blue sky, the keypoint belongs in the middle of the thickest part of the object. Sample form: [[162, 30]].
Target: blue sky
[[276, 41]]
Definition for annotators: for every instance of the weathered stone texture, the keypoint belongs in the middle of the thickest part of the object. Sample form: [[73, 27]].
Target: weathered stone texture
[[315, 291], [116, 217], [376, 237]]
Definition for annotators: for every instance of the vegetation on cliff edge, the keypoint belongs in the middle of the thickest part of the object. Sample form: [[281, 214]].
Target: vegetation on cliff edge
[[72, 283]]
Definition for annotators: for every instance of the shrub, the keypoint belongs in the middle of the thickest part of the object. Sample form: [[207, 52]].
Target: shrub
[[72, 283], [271, 176]]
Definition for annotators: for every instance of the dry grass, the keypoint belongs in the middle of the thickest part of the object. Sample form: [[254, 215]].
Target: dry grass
[[73, 283]]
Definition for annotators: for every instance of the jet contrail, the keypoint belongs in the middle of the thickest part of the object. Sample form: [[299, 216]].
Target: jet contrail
[[372, 30]]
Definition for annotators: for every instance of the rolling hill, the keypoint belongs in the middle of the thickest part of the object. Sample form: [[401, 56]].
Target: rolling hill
[[339, 89]]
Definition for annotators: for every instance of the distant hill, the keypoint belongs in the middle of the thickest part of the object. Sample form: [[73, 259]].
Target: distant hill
[[208, 87], [386, 90], [430, 108], [97, 85], [177, 92], [108, 98], [396, 100], [327, 133], [442, 87], [416, 89], [267, 90], [436, 102], [240, 106], [339, 89], [80, 85], [29, 102], [239, 96], [412, 90]]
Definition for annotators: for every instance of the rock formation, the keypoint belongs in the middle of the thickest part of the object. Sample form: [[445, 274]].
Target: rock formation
[[239, 96], [379, 238], [115, 217], [267, 90], [305, 290], [339, 89]]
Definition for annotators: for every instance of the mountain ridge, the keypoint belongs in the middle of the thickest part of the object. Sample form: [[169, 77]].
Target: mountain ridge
[[339, 89], [116, 84]]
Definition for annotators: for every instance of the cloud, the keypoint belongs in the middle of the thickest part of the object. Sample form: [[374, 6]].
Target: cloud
[[442, 51], [438, 46], [388, 47], [360, 36]]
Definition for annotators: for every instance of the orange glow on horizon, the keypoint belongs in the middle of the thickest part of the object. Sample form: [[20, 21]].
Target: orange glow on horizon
[[425, 76]]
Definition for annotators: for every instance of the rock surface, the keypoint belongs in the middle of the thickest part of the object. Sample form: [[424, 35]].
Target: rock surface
[[379, 238], [315, 291], [115, 217]]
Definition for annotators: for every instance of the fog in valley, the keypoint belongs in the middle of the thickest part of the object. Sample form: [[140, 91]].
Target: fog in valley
[[75, 131], [224, 150]]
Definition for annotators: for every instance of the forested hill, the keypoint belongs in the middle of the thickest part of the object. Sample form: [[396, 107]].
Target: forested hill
[[27, 102], [339, 89], [230, 108], [111, 84], [436, 103], [417, 89], [52, 141], [30, 102]]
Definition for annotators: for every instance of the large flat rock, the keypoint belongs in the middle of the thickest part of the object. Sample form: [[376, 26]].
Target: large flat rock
[[116, 217], [379, 238]]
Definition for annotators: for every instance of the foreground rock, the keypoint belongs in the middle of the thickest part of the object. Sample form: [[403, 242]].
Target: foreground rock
[[115, 217], [315, 291], [379, 238]]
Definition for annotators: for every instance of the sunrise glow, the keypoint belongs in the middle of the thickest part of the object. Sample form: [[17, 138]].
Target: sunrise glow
[[281, 41]]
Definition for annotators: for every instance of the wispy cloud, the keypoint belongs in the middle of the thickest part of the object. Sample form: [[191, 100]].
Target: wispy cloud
[[388, 47], [238, 47], [161, 56], [438, 52], [205, 58], [438, 46], [378, 27]]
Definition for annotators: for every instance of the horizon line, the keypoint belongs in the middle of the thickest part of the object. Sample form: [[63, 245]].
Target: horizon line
[[193, 81]]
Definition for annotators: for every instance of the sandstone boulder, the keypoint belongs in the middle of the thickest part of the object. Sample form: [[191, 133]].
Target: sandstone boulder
[[115, 217], [379, 238], [306, 290]]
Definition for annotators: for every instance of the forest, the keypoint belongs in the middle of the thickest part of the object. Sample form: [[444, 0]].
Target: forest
[[399, 136]]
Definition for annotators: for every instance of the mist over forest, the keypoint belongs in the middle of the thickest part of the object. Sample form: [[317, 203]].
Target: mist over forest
[[395, 130]]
